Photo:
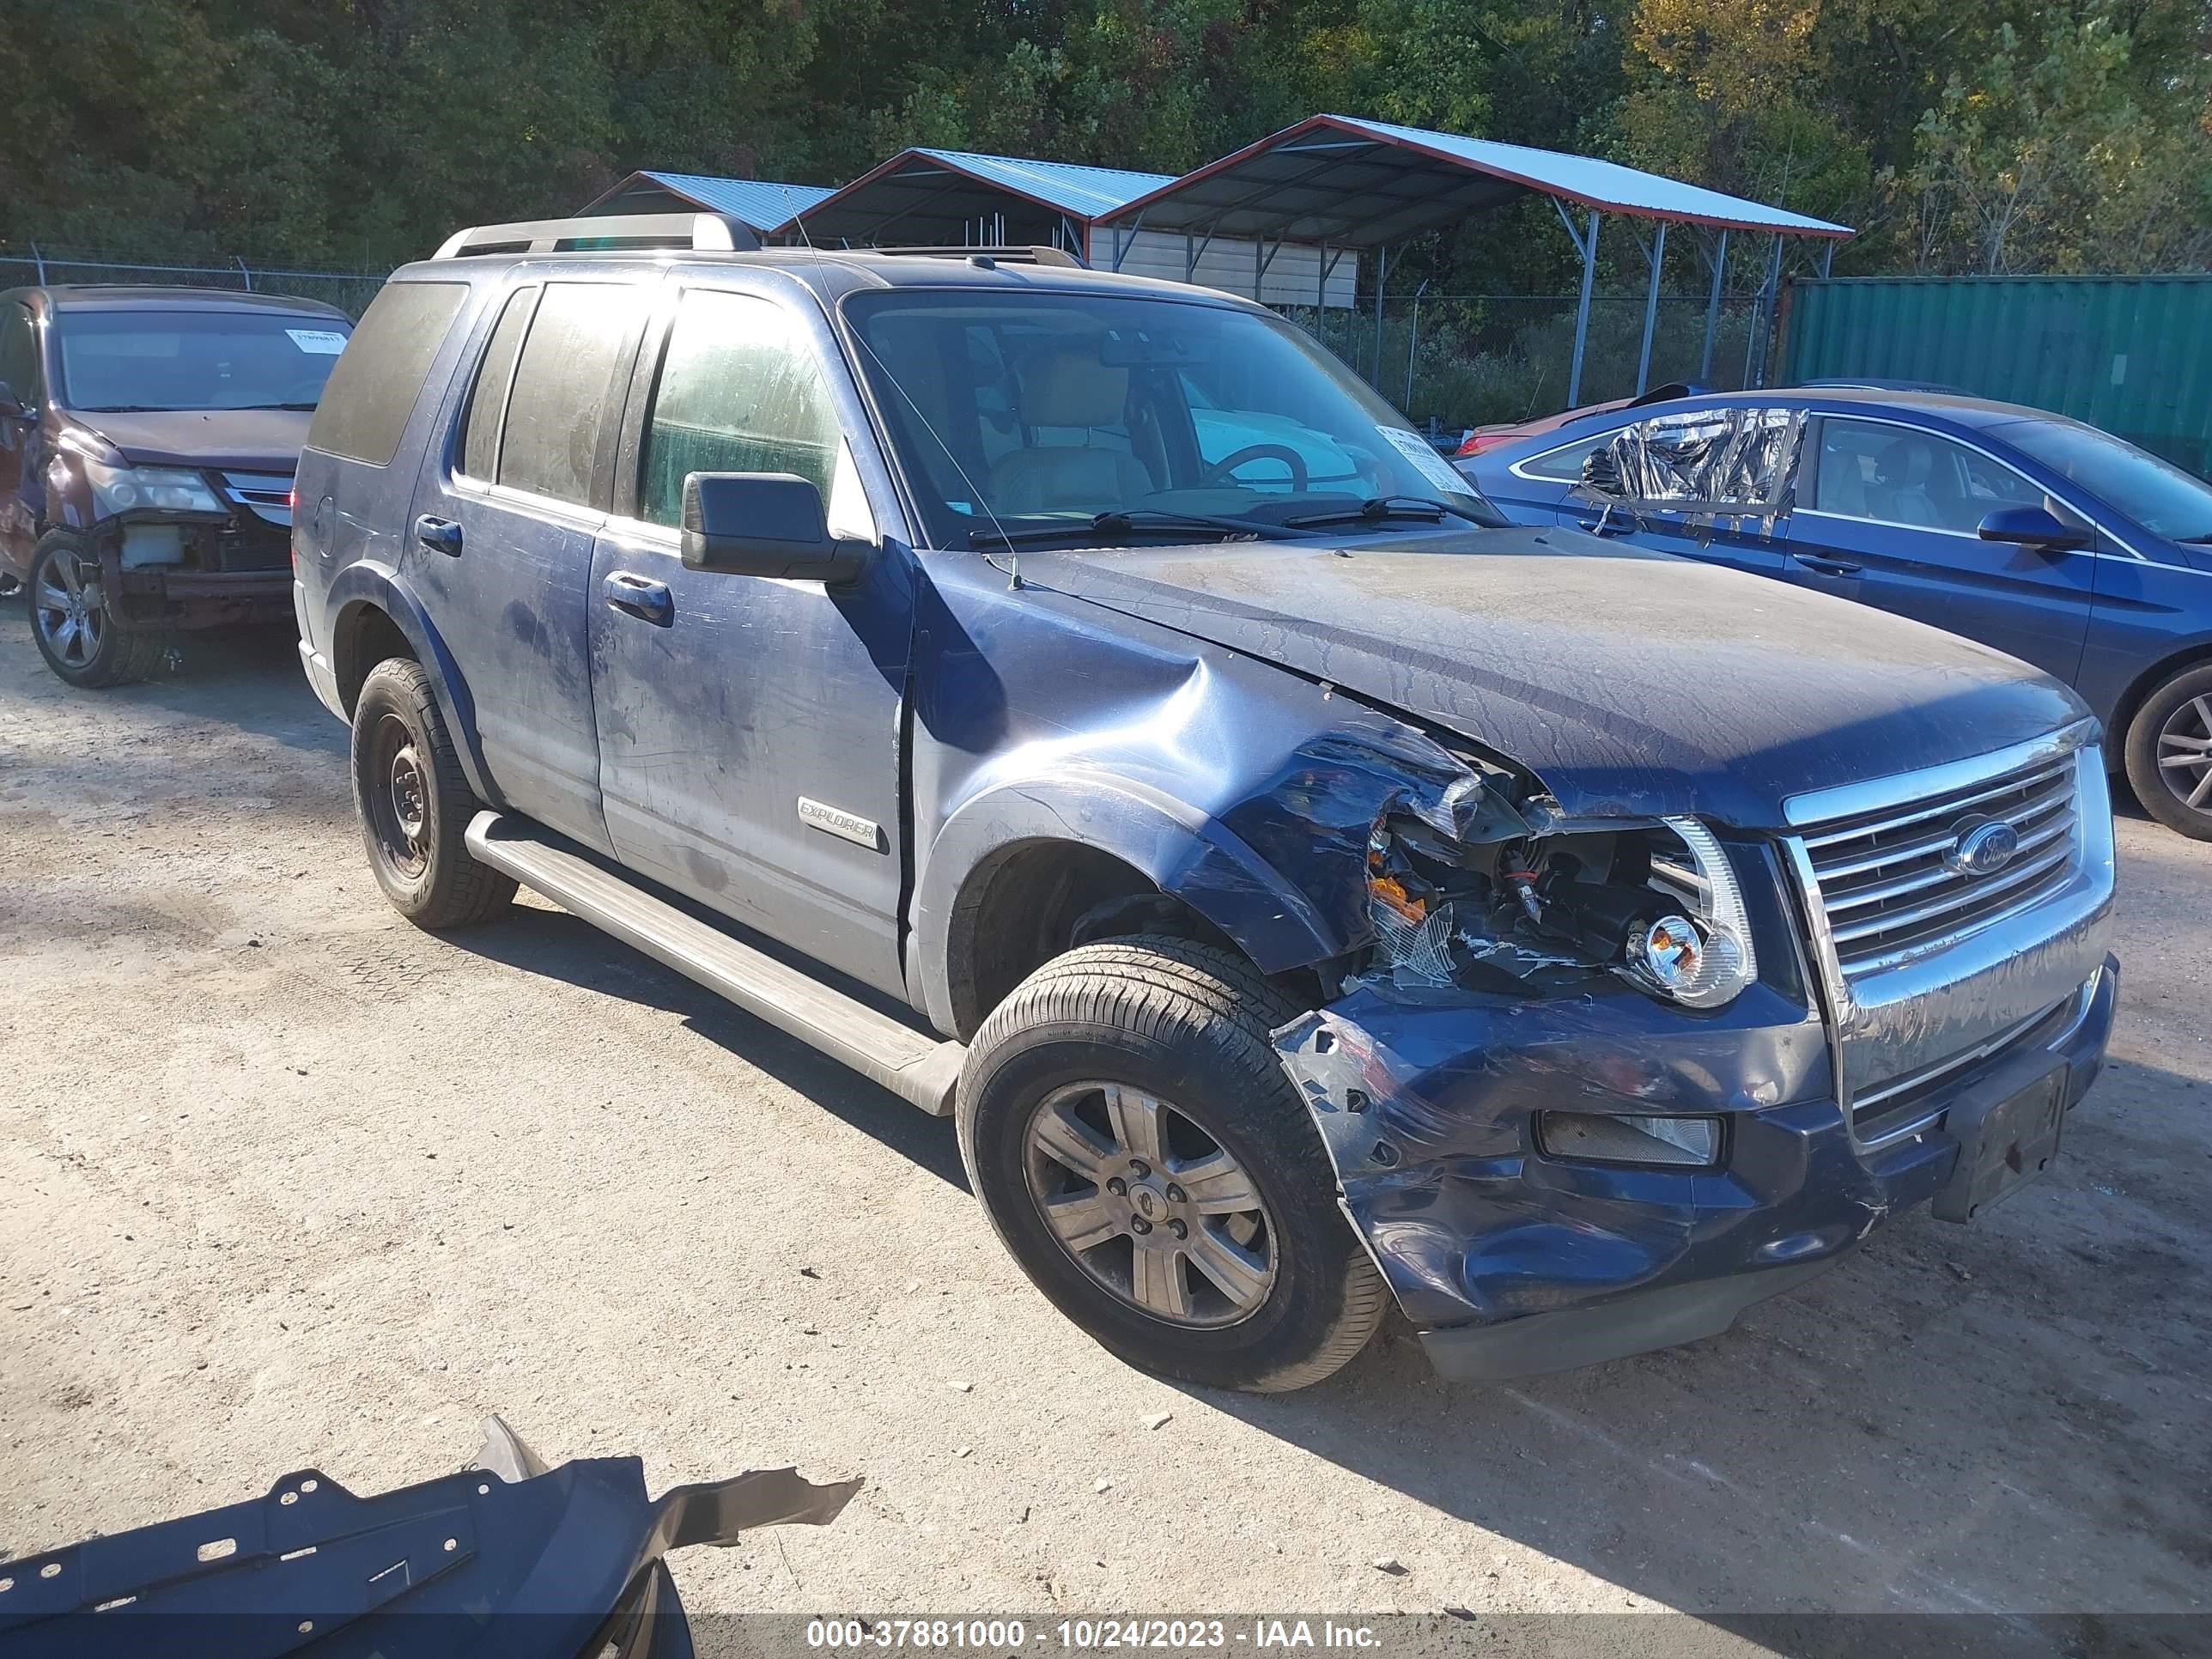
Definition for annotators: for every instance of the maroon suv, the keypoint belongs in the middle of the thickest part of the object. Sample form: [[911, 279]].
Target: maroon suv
[[147, 439]]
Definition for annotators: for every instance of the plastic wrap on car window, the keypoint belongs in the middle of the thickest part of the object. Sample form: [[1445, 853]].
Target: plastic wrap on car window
[[1737, 463]]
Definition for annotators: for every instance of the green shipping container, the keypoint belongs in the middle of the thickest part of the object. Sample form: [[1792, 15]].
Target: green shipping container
[[2132, 355]]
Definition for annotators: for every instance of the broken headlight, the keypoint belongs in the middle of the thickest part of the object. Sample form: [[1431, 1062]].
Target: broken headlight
[[139, 488], [1704, 958], [1655, 904]]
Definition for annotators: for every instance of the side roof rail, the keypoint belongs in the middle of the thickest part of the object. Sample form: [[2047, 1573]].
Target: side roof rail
[[1038, 255], [702, 232]]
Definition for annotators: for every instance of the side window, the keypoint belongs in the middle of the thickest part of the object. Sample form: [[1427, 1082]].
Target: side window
[[19, 354], [1565, 464], [1899, 475], [740, 390], [487, 397], [557, 406], [371, 392]]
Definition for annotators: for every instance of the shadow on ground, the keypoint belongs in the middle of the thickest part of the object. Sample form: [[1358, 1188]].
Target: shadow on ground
[[557, 945]]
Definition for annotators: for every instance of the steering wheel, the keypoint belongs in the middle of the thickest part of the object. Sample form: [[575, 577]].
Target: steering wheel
[[1219, 471]]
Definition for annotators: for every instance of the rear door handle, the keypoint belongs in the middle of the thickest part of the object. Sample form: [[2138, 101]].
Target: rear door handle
[[639, 596], [439, 535], [1826, 567]]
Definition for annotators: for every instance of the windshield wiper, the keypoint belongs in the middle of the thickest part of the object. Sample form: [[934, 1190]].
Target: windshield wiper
[[1381, 508], [1129, 522], [307, 407], [2205, 540]]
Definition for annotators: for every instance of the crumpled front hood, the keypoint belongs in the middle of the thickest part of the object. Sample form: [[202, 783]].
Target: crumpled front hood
[[245, 440], [1630, 682]]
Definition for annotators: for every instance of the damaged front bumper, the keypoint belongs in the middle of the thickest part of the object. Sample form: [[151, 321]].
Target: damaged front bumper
[[1515, 1261], [195, 572]]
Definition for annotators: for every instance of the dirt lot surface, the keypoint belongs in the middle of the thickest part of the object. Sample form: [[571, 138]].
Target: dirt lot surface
[[286, 1182]]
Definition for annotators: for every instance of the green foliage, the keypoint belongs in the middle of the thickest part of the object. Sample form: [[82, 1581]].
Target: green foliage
[[2058, 153], [2006, 135]]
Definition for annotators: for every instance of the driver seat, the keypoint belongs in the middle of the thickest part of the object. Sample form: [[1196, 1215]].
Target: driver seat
[[1059, 387]]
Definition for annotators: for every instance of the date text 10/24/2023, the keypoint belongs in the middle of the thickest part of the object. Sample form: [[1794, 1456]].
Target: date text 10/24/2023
[[1003, 1635]]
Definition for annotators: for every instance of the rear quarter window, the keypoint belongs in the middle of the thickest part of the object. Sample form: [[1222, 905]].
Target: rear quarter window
[[1565, 464], [366, 403]]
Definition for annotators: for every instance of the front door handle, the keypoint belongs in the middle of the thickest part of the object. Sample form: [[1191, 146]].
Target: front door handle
[[1826, 567], [439, 535], [1607, 526], [639, 596]]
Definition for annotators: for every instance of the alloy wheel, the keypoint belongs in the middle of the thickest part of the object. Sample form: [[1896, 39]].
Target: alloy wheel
[[1150, 1206], [69, 608], [2184, 753]]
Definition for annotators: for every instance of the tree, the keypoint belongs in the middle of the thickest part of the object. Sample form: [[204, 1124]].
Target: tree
[[2054, 155]]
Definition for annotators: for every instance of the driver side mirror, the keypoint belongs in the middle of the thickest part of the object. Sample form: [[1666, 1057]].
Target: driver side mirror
[[2033, 526], [765, 524]]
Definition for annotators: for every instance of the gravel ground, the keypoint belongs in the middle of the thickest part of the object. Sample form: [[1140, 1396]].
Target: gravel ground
[[285, 1183]]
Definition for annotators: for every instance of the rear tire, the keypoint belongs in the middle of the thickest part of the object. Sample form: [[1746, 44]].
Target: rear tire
[[415, 804], [1264, 1287], [76, 630], [2169, 752]]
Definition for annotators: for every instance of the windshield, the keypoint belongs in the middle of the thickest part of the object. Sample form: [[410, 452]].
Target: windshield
[[112, 361], [2157, 495], [1023, 412]]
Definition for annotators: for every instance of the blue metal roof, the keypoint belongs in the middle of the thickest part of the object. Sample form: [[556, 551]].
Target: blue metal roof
[[1087, 192], [1344, 180], [760, 203], [1605, 184]]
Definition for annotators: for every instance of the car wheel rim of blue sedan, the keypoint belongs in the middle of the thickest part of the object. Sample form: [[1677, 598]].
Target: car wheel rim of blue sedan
[[2184, 753]]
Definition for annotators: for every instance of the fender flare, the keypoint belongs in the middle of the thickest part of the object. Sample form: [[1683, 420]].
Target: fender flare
[[370, 582], [1184, 851]]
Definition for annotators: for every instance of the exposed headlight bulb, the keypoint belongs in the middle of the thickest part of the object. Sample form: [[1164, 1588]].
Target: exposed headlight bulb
[[1670, 951], [1706, 963]]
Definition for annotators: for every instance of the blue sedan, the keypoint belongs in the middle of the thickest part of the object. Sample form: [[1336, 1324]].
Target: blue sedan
[[2046, 539]]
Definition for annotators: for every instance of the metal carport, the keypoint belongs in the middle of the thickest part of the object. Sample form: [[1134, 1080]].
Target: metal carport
[[1349, 184], [763, 203], [958, 198]]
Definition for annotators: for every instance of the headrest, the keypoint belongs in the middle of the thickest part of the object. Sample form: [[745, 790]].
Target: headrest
[[1904, 464], [1062, 386]]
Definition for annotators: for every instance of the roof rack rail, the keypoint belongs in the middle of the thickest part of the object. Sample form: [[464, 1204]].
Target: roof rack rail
[[1037, 255], [702, 232]]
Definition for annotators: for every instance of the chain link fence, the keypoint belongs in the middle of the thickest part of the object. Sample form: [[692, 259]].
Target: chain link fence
[[1464, 359], [27, 264]]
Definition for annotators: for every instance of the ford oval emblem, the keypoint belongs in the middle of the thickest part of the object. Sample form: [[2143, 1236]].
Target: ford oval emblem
[[1983, 848]]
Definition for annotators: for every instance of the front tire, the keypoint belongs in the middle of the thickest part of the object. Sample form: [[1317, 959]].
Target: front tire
[[2169, 752], [415, 804], [1140, 1152], [76, 629]]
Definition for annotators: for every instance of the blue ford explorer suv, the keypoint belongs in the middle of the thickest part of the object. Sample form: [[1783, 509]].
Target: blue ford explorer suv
[[2062, 544], [1304, 890]]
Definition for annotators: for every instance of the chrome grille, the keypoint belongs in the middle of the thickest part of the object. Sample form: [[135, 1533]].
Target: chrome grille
[[1888, 889], [266, 495]]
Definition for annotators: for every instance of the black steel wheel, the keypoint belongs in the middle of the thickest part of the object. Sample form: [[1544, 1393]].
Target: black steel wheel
[[415, 804]]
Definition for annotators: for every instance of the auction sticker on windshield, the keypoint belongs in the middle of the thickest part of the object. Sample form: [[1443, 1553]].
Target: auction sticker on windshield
[[318, 342], [1430, 464]]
